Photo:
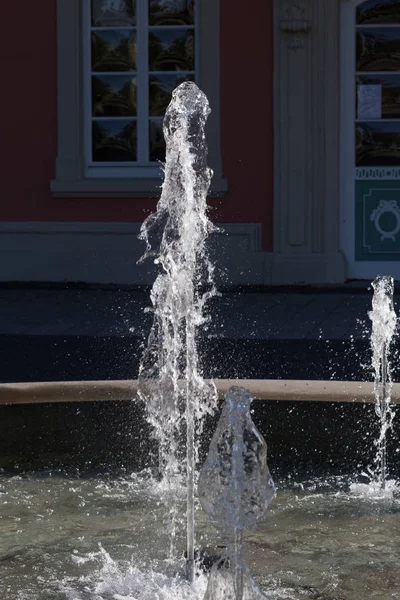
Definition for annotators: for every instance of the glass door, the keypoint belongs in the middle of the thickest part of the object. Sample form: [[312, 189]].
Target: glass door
[[371, 137]]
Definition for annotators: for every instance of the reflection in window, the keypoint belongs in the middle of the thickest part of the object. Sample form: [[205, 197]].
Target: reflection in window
[[171, 50], [378, 49], [375, 12], [377, 144], [171, 12], [160, 91], [113, 13], [114, 140], [114, 96], [113, 50]]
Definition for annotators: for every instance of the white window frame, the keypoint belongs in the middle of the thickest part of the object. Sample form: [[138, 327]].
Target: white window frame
[[139, 168], [74, 177]]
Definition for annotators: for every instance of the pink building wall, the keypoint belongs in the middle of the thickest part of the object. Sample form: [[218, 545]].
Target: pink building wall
[[28, 115]]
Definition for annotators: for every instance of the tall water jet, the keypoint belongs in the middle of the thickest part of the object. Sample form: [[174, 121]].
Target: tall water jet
[[384, 321], [235, 489], [175, 395]]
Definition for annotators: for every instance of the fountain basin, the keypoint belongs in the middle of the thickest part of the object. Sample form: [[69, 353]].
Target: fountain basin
[[104, 538], [125, 390], [311, 427], [78, 525]]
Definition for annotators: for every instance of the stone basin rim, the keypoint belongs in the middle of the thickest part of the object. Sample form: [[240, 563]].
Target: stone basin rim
[[126, 390]]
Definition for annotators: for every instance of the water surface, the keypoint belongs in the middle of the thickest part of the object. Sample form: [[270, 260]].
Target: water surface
[[71, 538]]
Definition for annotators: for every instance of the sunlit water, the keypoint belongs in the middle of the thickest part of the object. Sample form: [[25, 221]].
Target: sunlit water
[[176, 236], [66, 538], [384, 322]]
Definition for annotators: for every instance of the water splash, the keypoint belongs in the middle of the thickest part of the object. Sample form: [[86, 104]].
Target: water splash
[[375, 492], [171, 385], [235, 489], [384, 322], [125, 580]]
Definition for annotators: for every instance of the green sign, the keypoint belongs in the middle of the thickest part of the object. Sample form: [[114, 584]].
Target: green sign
[[377, 221]]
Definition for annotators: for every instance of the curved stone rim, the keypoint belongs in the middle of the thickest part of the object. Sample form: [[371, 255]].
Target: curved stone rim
[[126, 390]]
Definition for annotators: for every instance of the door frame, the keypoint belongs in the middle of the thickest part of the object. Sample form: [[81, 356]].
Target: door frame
[[355, 269]]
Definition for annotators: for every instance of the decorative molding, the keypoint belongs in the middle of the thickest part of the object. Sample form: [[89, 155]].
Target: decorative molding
[[295, 22], [373, 173], [391, 207], [144, 187]]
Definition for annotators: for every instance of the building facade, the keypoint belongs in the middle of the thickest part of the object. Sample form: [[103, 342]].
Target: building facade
[[304, 135]]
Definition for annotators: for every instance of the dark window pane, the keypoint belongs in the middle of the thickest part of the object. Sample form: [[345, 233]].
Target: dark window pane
[[114, 96], [160, 91], [390, 93], [171, 12], [377, 144], [113, 13], [114, 140], [113, 51], [378, 11], [378, 49], [171, 50], [157, 142]]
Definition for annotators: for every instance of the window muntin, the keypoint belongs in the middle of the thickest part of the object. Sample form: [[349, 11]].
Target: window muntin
[[140, 50]]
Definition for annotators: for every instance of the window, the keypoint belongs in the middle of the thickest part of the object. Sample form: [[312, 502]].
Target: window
[[137, 53], [118, 62]]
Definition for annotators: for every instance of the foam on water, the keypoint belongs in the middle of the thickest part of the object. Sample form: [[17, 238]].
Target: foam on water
[[374, 491], [125, 580]]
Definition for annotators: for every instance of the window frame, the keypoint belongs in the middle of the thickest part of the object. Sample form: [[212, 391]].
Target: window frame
[[72, 178]]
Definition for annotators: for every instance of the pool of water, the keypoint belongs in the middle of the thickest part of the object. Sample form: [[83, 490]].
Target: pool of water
[[72, 538]]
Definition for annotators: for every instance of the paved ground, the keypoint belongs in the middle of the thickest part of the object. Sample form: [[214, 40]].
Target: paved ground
[[71, 334], [50, 334], [280, 315]]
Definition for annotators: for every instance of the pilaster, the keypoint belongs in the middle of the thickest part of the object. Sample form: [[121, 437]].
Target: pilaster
[[306, 200]]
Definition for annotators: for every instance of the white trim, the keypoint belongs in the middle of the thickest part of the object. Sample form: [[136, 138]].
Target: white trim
[[377, 25], [347, 138], [139, 187], [121, 172], [51, 227], [383, 121], [142, 93], [172, 27], [87, 83], [348, 170], [107, 253]]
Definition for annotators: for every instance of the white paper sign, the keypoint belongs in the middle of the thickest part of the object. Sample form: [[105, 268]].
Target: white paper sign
[[369, 101]]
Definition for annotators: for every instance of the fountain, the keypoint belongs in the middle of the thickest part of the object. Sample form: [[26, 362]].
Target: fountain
[[384, 322], [241, 497], [235, 488], [179, 298], [65, 536]]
